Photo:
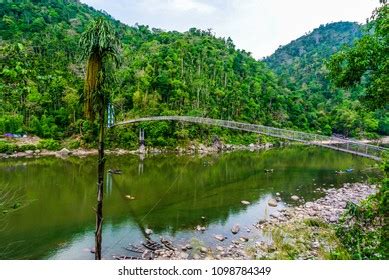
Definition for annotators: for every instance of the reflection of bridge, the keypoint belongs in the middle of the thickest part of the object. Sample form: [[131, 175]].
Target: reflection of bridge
[[339, 144]]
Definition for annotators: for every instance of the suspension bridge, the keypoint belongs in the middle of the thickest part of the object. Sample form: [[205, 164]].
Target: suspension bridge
[[345, 145]]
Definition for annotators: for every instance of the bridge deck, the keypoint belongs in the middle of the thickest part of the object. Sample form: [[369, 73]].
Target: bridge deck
[[339, 144]]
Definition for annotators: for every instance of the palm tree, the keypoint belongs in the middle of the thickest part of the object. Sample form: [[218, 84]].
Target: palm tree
[[100, 46]]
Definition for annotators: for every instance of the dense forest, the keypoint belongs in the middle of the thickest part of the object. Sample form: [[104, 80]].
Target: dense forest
[[169, 73]]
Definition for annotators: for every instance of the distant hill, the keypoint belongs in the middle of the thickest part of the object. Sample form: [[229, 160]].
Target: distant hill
[[301, 62], [301, 68]]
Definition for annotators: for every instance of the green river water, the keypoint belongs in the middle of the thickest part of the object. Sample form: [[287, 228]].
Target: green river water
[[55, 219]]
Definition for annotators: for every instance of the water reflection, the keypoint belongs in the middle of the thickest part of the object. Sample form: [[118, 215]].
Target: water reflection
[[170, 193]]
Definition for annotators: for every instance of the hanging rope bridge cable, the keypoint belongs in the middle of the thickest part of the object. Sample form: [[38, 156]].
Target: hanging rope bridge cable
[[110, 248]]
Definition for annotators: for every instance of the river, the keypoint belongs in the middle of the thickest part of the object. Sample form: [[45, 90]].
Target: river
[[172, 195]]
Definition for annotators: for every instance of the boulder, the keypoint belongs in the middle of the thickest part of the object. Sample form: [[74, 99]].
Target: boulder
[[235, 229], [219, 237], [203, 250], [64, 152], [272, 202]]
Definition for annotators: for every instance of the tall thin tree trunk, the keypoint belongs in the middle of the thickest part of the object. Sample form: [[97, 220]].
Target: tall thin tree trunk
[[100, 182]]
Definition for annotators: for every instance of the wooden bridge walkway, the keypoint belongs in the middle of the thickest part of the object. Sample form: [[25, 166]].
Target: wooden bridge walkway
[[339, 144]]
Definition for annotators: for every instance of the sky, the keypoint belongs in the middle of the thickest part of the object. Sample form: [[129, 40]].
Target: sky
[[257, 26]]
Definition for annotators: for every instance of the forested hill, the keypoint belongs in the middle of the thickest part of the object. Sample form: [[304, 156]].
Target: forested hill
[[302, 60], [301, 67], [162, 73]]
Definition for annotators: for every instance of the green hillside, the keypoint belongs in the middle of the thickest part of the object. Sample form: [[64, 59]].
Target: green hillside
[[301, 66], [161, 73]]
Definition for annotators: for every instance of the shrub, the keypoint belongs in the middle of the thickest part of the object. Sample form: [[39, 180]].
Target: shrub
[[74, 144], [6, 147], [26, 147], [49, 144]]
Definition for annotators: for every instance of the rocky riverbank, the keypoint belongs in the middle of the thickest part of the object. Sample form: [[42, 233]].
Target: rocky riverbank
[[190, 149], [301, 232]]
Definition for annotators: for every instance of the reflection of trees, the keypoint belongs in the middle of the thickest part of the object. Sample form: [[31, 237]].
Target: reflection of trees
[[11, 199]]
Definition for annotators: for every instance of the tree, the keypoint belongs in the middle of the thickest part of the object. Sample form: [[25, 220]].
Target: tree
[[100, 46], [367, 62]]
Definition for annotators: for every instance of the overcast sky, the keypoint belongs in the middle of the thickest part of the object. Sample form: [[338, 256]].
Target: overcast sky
[[258, 26]]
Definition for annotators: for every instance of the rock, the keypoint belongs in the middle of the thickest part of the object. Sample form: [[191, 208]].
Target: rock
[[188, 247], [294, 197], [244, 239], [200, 228], [202, 217], [261, 221], [309, 204], [148, 231], [245, 202], [130, 197], [37, 151], [333, 219], [315, 245], [183, 255], [219, 237], [278, 194], [64, 152], [275, 214], [203, 250], [272, 202], [29, 152], [278, 199], [220, 248], [196, 257], [235, 229]]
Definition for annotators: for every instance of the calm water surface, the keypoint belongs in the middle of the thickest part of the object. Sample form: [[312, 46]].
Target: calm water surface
[[172, 193]]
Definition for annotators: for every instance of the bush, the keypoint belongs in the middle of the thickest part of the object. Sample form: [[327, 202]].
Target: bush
[[363, 229], [74, 144], [11, 124], [6, 147], [49, 144], [26, 147]]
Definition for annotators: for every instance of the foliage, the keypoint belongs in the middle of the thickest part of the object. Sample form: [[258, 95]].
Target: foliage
[[167, 73], [49, 144], [7, 148], [366, 62], [318, 105], [363, 229]]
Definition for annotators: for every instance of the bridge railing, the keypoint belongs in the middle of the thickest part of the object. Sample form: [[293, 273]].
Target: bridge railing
[[346, 145]]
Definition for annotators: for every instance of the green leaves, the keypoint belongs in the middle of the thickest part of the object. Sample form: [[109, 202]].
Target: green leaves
[[367, 62]]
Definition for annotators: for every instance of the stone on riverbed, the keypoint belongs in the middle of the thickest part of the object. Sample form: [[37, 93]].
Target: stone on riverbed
[[148, 231], [272, 202], [203, 250], [219, 237], [235, 229], [294, 197], [245, 202]]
